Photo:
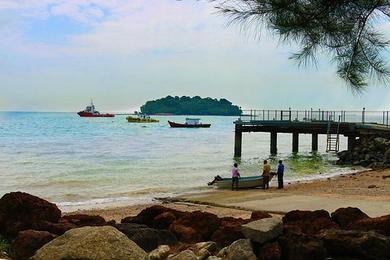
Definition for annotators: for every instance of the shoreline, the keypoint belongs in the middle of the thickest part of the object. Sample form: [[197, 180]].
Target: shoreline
[[364, 186]]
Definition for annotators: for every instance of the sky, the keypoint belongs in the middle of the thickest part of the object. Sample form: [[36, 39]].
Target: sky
[[57, 55]]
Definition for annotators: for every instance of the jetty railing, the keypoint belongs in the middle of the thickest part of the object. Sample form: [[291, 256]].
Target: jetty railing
[[317, 115]]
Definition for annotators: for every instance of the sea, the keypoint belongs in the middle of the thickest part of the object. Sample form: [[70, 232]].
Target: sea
[[84, 163]]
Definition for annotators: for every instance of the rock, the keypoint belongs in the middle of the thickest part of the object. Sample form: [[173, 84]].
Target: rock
[[263, 230], [203, 254], [93, 243], [355, 244], [302, 247], [270, 251], [229, 231], [240, 250], [159, 253], [82, 220], [380, 225], [55, 228], [145, 237], [203, 223], [185, 234], [185, 255], [21, 211], [308, 222], [164, 220], [28, 242], [259, 215], [214, 258], [147, 215], [223, 253], [210, 246], [345, 216]]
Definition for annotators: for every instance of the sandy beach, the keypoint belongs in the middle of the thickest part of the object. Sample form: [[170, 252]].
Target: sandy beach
[[369, 185]]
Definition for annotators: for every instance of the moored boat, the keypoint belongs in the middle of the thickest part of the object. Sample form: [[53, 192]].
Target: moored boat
[[90, 111], [141, 118], [190, 123], [243, 183]]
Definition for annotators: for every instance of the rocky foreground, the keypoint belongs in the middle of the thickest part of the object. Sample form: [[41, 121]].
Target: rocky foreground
[[36, 228]]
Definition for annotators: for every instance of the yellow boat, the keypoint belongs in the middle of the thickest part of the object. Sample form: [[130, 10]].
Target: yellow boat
[[141, 119]]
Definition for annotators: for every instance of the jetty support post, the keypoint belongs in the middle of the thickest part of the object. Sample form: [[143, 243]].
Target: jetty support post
[[295, 142], [351, 143], [237, 142], [274, 140], [314, 142]]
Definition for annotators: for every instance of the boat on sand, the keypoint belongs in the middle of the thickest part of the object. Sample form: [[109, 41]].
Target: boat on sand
[[190, 123], [243, 183]]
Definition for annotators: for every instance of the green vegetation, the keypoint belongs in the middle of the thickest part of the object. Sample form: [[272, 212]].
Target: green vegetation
[[191, 106], [343, 30], [4, 246]]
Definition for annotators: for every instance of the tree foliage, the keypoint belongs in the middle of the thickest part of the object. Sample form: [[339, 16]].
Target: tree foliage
[[345, 30], [191, 106]]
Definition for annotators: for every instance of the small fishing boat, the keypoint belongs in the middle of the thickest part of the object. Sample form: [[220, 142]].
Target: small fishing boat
[[141, 118], [243, 183], [90, 111], [190, 123]]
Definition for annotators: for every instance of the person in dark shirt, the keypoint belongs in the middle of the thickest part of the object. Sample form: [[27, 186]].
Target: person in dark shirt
[[280, 174]]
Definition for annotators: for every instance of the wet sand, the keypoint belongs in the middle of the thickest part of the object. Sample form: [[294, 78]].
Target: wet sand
[[346, 190]]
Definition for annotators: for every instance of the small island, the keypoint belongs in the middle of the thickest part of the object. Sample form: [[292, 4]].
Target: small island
[[191, 106]]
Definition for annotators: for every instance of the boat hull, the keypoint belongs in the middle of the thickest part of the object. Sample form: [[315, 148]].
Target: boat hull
[[178, 125], [84, 114], [243, 183], [131, 119]]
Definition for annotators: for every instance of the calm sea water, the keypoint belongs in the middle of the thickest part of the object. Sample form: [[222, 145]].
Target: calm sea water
[[81, 163]]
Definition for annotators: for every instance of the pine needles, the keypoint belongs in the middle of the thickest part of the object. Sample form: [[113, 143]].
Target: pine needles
[[343, 29]]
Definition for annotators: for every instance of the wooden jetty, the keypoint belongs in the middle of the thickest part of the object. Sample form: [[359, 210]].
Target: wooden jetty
[[352, 124]]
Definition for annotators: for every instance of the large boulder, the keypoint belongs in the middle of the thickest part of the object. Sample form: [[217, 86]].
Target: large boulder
[[229, 231], [164, 220], [270, 251], [92, 243], [147, 215], [240, 250], [346, 216], [28, 242], [380, 225], [82, 220], [203, 223], [21, 211], [355, 244], [298, 246], [145, 237], [308, 222], [263, 230], [185, 234]]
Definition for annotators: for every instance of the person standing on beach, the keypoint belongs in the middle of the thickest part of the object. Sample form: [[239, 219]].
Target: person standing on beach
[[235, 176], [280, 174], [266, 174]]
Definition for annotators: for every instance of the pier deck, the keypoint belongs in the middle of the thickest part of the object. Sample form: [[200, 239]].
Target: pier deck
[[352, 124]]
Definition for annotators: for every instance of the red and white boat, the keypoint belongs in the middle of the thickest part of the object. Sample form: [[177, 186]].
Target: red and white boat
[[190, 123], [90, 111]]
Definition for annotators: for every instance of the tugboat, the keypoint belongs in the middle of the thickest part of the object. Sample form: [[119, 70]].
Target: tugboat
[[91, 112], [190, 123], [141, 119]]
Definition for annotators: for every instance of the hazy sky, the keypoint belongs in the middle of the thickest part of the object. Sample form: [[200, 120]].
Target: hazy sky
[[55, 55]]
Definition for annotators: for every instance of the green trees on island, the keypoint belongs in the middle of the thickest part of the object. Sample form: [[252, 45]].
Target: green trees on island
[[191, 106], [345, 31]]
